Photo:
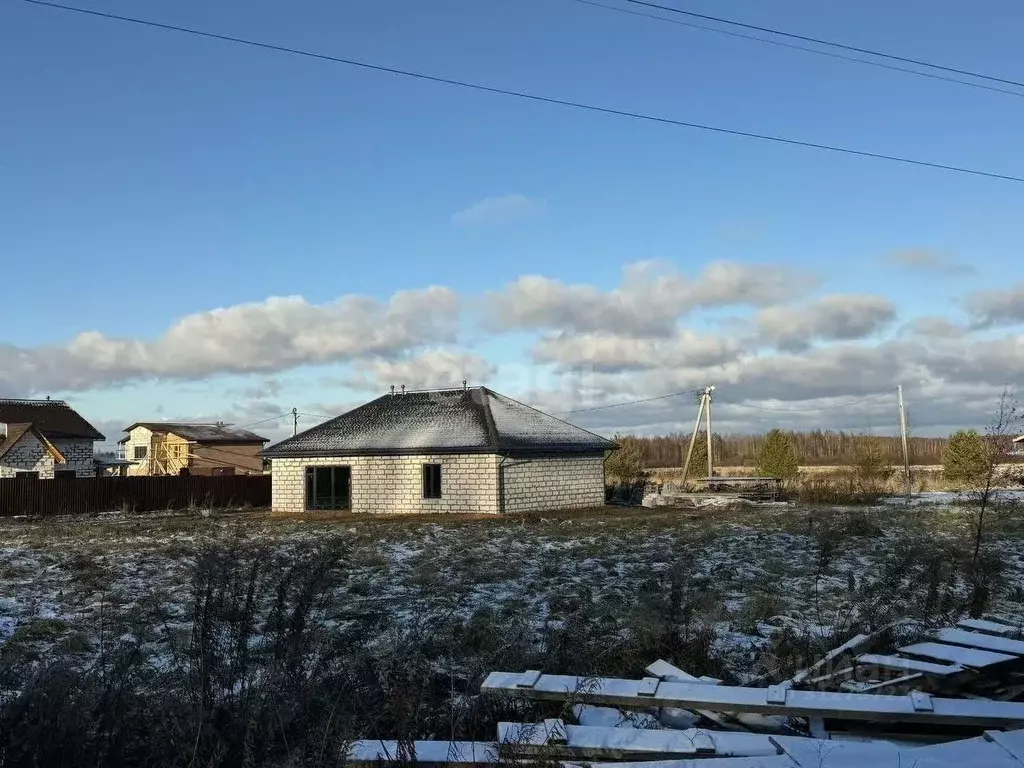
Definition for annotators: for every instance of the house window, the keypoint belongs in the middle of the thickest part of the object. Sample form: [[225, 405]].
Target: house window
[[140, 452], [431, 481], [328, 487], [175, 450], [66, 474]]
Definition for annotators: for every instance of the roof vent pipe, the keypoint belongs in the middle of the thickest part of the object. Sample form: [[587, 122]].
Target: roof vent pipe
[[403, 389], [463, 385], [392, 390]]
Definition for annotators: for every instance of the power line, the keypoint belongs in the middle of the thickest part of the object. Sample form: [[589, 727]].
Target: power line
[[781, 44], [806, 410], [264, 421], [531, 96], [830, 43], [630, 402]]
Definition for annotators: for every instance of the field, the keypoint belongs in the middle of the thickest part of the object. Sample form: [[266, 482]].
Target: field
[[249, 639]]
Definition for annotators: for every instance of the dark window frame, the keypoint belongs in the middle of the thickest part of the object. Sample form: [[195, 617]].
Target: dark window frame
[[337, 497], [432, 481], [135, 452]]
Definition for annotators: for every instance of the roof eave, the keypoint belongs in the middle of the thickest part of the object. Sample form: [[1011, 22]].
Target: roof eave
[[567, 450]]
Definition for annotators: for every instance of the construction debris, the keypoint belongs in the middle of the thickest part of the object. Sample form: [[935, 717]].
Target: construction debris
[[894, 695]]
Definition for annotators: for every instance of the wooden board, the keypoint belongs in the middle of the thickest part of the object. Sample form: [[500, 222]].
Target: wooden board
[[586, 742], [978, 640], [955, 654], [1011, 741], [847, 647], [726, 698], [985, 627], [901, 664], [663, 670]]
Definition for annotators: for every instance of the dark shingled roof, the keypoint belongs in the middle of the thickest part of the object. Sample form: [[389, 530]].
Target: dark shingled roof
[[474, 420], [201, 433], [53, 418]]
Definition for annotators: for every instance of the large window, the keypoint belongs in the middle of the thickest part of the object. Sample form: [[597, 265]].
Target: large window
[[431, 481], [140, 452], [328, 487]]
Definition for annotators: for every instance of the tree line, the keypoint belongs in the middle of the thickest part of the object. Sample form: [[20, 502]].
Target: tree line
[[816, 447]]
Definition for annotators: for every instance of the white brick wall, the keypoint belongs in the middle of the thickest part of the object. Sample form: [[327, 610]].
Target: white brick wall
[[79, 453], [469, 483], [569, 482], [27, 455], [394, 484]]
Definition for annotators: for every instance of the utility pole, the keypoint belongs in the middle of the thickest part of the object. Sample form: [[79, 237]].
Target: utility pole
[[295, 421], [707, 395], [693, 437], [903, 435]]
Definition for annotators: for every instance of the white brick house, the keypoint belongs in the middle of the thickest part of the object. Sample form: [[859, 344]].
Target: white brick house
[[458, 450], [45, 439]]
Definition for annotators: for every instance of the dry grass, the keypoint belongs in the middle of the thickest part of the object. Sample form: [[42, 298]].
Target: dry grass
[[257, 639]]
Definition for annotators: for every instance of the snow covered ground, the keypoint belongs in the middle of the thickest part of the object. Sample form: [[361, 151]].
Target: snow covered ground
[[744, 592]]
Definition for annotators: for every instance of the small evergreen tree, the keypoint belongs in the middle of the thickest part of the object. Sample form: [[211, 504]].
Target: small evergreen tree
[[871, 466], [966, 460], [626, 465], [778, 459]]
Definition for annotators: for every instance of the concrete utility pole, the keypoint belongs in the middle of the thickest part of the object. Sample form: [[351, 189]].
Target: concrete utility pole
[[707, 395], [693, 437], [903, 435], [295, 421]]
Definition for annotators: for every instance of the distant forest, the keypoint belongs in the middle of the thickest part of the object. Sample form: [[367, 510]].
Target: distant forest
[[820, 447]]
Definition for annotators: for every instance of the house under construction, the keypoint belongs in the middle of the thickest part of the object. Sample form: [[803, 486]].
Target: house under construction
[[175, 448]]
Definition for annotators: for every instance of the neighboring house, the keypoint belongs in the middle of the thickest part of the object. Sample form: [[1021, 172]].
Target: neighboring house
[[45, 439], [461, 450], [166, 448]]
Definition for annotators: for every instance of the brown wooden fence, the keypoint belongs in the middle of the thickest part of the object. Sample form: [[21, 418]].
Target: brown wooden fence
[[81, 496]]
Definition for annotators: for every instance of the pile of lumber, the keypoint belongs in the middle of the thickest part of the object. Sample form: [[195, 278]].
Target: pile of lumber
[[919, 704]]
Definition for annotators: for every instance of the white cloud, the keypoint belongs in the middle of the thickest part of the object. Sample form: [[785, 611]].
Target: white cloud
[[922, 260], [264, 337], [499, 210], [840, 317], [431, 369], [997, 307], [589, 346], [650, 301], [935, 327], [611, 352]]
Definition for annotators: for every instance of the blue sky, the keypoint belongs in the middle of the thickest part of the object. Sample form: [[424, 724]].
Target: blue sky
[[147, 176]]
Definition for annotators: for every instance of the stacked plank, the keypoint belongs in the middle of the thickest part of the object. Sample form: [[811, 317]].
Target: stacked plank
[[977, 656], [668, 701]]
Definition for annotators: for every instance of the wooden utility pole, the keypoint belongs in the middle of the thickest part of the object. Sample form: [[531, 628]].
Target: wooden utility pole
[[693, 437], [707, 396], [295, 421], [903, 435]]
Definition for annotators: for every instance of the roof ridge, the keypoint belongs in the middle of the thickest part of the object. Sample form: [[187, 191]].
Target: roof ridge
[[492, 429], [32, 400], [545, 413]]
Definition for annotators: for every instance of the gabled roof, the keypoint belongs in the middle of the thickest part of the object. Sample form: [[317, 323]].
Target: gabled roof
[[201, 433], [474, 420], [54, 418], [17, 431]]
